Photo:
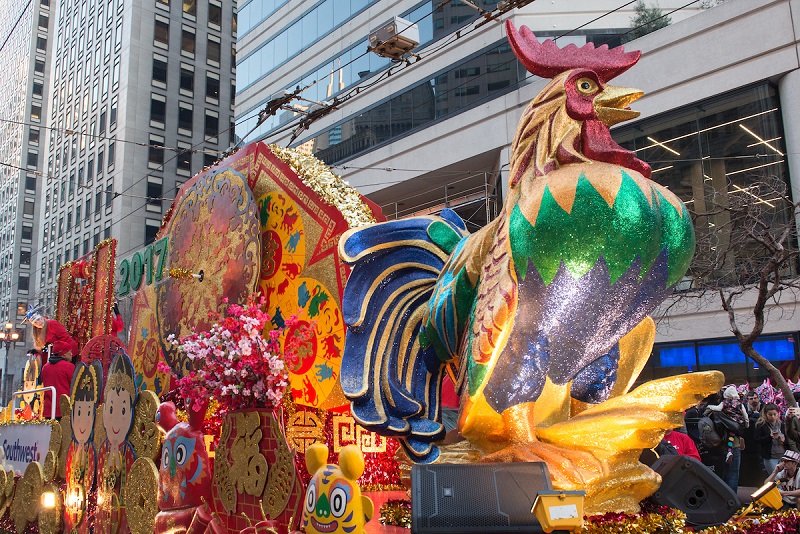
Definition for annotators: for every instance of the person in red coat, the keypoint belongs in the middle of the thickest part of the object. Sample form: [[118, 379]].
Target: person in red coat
[[51, 332], [58, 370], [683, 444]]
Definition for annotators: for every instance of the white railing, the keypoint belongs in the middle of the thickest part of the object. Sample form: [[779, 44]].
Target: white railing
[[48, 389]]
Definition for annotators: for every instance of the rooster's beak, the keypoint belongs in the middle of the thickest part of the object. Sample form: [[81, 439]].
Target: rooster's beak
[[611, 106]]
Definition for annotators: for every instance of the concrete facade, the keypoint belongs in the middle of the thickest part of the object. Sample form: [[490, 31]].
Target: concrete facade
[[713, 52], [26, 28]]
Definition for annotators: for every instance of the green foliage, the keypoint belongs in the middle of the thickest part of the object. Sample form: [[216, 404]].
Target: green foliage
[[646, 20]]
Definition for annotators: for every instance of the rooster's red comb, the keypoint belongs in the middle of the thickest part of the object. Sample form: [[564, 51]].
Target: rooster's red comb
[[547, 60]]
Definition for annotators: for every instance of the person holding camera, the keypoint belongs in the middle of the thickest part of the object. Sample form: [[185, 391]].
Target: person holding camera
[[787, 478], [770, 436]]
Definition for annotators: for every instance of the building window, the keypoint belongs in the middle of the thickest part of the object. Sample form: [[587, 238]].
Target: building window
[[102, 123], [41, 43], [27, 209], [30, 183], [112, 115], [161, 37], [151, 230], [214, 15], [33, 136], [212, 86], [111, 155], [33, 159], [185, 160], [187, 42], [155, 190], [208, 160], [158, 109], [155, 152], [23, 282], [27, 233], [38, 88], [43, 20], [39, 66], [160, 70], [211, 128], [712, 152], [190, 7], [25, 257], [187, 80], [185, 115], [36, 112], [214, 51]]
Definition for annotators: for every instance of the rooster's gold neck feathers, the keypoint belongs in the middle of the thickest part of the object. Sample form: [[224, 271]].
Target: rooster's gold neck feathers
[[547, 137]]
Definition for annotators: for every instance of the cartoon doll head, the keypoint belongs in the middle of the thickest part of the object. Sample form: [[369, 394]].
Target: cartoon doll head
[[120, 398], [184, 478], [30, 378], [334, 503], [86, 383]]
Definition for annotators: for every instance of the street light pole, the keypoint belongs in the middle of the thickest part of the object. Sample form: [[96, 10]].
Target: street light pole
[[7, 336]]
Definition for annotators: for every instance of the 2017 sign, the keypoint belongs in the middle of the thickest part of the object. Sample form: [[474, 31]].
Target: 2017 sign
[[144, 266]]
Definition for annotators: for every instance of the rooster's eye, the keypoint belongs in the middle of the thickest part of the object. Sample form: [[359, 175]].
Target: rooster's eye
[[587, 86]]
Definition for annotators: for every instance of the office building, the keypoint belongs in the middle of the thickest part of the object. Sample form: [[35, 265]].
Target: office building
[[25, 27], [142, 96]]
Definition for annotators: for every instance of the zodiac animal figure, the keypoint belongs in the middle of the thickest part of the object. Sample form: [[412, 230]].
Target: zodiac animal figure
[[334, 504], [184, 479], [542, 315]]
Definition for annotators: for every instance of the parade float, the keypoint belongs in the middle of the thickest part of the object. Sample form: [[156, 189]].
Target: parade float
[[287, 346]]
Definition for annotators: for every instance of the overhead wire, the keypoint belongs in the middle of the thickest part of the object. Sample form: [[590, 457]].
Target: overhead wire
[[359, 88], [83, 133]]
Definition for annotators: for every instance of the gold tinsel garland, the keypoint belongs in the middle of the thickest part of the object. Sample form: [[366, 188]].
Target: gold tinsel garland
[[330, 187], [396, 512]]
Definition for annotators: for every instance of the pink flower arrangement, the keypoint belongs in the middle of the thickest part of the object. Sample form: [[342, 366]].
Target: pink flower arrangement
[[234, 362]]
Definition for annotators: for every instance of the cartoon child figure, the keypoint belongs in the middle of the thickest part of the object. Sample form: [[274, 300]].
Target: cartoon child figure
[[116, 454], [31, 405], [80, 468]]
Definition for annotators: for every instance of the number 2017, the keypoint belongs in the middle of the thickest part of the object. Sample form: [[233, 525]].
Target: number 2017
[[141, 267]]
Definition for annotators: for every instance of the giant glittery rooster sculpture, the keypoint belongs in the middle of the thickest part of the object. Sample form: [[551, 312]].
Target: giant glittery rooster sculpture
[[541, 317]]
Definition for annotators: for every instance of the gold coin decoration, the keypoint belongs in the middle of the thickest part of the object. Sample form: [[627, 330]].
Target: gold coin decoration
[[49, 466], [56, 437], [141, 490], [50, 518], [144, 435], [29, 491], [6, 490], [65, 404]]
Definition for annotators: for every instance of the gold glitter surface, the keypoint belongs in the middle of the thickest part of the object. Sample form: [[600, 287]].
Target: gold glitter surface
[[6, 490], [222, 470], [49, 467], [249, 467], [50, 518], [278, 489], [330, 187], [304, 429], [140, 497], [144, 435], [65, 403], [26, 499]]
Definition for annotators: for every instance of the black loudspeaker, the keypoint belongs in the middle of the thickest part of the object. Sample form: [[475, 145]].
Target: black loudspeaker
[[695, 490], [472, 498]]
